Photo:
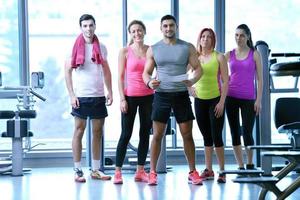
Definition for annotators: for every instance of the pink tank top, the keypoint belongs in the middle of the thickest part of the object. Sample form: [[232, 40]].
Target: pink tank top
[[242, 76], [134, 85]]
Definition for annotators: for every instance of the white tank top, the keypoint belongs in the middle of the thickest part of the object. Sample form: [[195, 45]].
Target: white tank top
[[88, 78]]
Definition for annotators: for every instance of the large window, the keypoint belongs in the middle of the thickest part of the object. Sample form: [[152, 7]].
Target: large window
[[274, 22], [53, 29], [9, 58], [194, 16], [150, 13], [136, 10]]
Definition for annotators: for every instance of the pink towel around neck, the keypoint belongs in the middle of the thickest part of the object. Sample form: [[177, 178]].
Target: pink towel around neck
[[78, 52]]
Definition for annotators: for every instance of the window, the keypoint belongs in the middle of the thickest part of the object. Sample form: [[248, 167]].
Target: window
[[193, 17], [275, 23], [52, 32], [9, 58], [150, 12]]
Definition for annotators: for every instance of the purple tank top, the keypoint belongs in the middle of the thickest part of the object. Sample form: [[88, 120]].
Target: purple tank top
[[242, 76]]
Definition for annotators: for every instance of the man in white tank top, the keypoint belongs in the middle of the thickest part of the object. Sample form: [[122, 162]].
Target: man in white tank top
[[86, 73]]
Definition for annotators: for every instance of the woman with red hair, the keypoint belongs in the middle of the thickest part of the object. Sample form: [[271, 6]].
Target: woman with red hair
[[210, 94]]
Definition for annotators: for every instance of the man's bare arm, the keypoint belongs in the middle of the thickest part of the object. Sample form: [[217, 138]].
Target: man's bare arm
[[107, 81], [148, 70], [195, 65], [69, 83]]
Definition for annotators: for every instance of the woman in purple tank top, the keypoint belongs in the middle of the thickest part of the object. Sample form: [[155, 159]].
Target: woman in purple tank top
[[243, 98]]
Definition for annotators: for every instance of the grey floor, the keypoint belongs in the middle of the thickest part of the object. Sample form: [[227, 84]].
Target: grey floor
[[58, 184]]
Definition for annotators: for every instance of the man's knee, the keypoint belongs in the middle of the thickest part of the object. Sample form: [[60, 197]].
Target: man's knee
[[187, 135], [79, 130], [157, 136]]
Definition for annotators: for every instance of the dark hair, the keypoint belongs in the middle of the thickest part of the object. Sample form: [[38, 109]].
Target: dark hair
[[86, 17], [213, 35], [136, 22], [246, 29], [167, 17]]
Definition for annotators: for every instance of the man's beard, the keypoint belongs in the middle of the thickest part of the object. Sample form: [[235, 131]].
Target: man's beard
[[170, 36]]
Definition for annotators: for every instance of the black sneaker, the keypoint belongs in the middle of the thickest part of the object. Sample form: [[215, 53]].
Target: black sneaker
[[222, 178], [250, 166], [241, 175]]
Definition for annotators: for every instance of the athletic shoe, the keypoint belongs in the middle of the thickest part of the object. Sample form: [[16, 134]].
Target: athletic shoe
[[241, 175], [250, 166], [141, 176], [207, 174], [152, 180], [194, 178], [97, 174], [222, 178], [79, 176], [118, 178]]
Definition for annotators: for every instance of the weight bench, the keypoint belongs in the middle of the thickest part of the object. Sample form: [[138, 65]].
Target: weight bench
[[17, 129], [244, 172], [269, 183], [287, 121], [281, 69], [275, 147]]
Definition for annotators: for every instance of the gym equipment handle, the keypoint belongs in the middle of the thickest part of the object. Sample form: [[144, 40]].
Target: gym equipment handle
[[37, 95]]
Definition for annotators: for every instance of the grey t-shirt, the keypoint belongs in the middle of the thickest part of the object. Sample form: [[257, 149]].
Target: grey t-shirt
[[171, 60]]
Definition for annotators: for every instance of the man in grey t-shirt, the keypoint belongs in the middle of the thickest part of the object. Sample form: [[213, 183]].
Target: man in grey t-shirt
[[172, 57]]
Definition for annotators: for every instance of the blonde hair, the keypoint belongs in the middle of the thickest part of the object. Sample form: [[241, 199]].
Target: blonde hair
[[132, 23]]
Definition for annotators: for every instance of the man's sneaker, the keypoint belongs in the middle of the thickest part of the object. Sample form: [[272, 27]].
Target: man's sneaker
[[152, 180], [207, 174], [97, 174], [141, 176], [250, 166], [194, 178], [118, 178], [79, 176], [241, 175], [222, 178]]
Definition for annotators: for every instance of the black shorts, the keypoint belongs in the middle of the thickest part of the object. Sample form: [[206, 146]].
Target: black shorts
[[92, 107], [178, 102]]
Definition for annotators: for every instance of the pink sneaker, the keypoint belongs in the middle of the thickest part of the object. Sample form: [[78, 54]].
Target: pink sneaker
[[141, 176], [118, 178], [194, 178], [152, 178], [207, 174]]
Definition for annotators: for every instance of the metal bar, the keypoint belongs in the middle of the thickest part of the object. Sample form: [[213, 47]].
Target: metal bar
[[23, 42]]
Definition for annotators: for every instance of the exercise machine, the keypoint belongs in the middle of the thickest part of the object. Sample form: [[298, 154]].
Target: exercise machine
[[287, 121], [17, 125]]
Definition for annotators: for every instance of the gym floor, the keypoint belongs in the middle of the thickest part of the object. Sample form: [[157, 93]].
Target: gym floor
[[58, 183]]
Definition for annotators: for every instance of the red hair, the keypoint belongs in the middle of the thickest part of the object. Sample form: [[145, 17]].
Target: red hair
[[213, 38]]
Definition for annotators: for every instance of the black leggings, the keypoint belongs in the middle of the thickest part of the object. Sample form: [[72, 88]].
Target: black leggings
[[145, 108], [233, 106], [210, 126]]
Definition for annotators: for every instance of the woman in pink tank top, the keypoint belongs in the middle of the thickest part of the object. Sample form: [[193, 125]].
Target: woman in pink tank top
[[134, 95], [245, 68]]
